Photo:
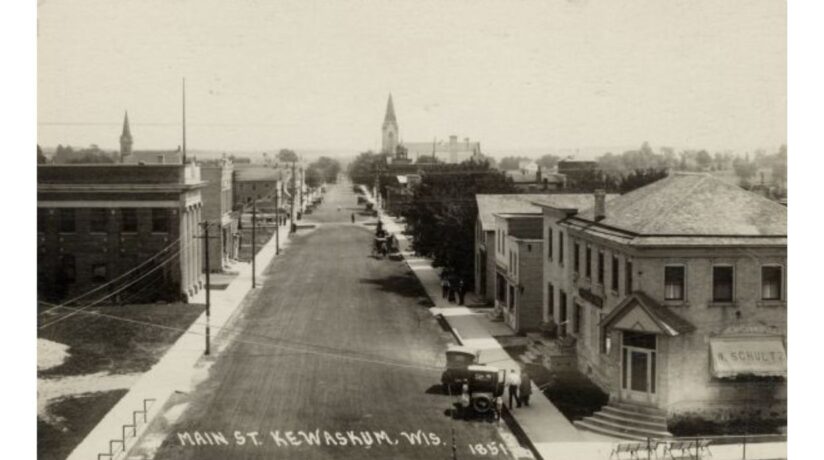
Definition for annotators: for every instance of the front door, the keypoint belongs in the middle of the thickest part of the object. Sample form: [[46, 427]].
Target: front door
[[639, 367]]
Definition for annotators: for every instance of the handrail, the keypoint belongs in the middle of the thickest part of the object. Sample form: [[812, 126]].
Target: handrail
[[122, 440]]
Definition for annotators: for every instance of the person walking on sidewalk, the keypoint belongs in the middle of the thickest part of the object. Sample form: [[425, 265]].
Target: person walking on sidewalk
[[453, 286], [461, 292], [444, 287], [514, 381], [353, 217], [525, 390]]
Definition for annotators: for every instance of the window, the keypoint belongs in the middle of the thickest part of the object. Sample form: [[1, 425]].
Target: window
[[42, 215], [588, 262], [67, 220], [615, 269], [674, 280], [549, 242], [562, 315], [67, 269], [576, 257], [160, 220], [511, 297], [550, 299], [628, 278], [561, 248], [129, 220], [500, 288], [771, 281], [98, 221], [606, 340], [578, 318], [600, 267], [722, 283], [99, 273]]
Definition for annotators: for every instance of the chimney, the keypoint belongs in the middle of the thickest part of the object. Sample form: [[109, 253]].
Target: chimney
[[600, 205]]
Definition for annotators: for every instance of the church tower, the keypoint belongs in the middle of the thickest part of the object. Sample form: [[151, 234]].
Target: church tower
[[125, 139], [390, 129]]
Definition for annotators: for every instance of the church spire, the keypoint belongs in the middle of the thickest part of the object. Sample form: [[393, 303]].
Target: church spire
[[390, 112], [126, 138]]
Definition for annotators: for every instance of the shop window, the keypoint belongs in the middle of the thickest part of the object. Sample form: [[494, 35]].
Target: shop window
[[129, 222], [771, 281], [68, 221], [615, 269], [722, 283], [511, 298], [99, 220], [99, 273], [500, 288], [160, 220], [549, 242], [674, 282], [550, 300], [600, 267]]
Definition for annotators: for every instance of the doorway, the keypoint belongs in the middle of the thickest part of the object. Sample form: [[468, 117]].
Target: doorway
[[639, 367]]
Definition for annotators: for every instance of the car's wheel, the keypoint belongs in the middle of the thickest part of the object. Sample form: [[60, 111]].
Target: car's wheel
[[482, 404]]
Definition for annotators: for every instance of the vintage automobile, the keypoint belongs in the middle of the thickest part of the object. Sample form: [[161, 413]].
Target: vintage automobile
[[458, 359], [485, 384]]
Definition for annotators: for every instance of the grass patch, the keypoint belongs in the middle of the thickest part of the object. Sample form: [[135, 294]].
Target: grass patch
[[262, 236], [699, 426], [81, 414], [99, 343]]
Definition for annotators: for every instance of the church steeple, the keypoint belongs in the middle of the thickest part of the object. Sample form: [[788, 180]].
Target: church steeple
[[390, 129], [125, 139]]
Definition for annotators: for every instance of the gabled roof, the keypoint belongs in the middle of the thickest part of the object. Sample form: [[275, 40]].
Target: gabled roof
[[669, 322], [694, 205], [489, 205]]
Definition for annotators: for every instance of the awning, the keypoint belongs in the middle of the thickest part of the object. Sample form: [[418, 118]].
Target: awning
[[760, 356]]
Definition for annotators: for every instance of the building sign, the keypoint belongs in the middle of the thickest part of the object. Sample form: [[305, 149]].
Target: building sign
[[594, 299], [761, 356]]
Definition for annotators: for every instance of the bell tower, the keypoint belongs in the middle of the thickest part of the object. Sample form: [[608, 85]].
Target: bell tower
[[390, 129]]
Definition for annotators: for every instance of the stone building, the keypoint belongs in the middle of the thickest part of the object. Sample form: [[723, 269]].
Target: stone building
[[98, 222], [218, 210], [676, 296]]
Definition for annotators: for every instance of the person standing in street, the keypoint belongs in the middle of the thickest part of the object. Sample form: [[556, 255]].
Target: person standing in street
[[513, 380], [461, 292], [499, 408], [353, 217], [525, 390]]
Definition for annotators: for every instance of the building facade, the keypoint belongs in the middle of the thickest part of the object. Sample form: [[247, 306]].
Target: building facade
[[218, 210], [96, 223], [518, 275], [676, 295]]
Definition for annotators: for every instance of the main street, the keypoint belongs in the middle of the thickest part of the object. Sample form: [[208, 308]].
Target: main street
[[335, 357]]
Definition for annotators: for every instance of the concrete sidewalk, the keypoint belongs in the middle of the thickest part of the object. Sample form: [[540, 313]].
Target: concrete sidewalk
[[552, 436], [176, 371]]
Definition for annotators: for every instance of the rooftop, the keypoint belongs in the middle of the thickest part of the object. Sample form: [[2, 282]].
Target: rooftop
[[569, 201], [258, 174], [491, 204], [694, 205]]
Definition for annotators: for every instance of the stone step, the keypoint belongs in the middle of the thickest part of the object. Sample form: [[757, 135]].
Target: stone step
[[658, 419], [632, 420], [638, 408], [585, 425], [629, 431]]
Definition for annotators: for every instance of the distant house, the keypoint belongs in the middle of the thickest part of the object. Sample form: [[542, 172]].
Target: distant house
[[535, 181], [218, 210], [258, 183], [576, 171]]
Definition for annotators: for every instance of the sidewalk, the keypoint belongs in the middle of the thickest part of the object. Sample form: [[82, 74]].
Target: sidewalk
[[176, 370], [551, 435]]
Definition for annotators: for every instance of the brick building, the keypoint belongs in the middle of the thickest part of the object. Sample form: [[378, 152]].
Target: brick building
[[256, 183], [676, 294], [97, 222], [518, 278], [218, 210]]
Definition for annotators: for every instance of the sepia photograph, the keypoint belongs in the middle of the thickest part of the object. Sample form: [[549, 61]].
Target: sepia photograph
[[312, 229]]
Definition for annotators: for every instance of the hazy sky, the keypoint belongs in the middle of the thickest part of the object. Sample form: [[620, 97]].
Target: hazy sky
[[262, 75]]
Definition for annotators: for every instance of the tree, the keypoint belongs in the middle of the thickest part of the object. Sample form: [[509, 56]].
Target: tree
[[703, 159], [364, 169], [548, 161], [779, 166], [641, 177], [744, 169], [287, 156], [430, 159], [510, 163], [313, 176], [326, 168], [442, 212], [41, 159]]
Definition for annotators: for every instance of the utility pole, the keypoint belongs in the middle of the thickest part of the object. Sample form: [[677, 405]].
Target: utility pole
[[294, 191], [184, 122], [205, 237], [254, 240], [277, 219]]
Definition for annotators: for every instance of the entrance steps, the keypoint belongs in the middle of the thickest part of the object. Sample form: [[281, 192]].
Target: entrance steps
[[627, 421]]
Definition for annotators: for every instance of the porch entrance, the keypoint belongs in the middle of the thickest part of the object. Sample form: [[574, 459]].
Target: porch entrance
[[639, 367]]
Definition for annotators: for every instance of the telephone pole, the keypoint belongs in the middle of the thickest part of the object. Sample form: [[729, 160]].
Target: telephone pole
[[294, 191], [277, 219], [205, 236], [254, 240]]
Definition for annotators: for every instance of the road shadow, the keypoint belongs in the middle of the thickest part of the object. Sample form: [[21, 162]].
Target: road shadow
[[406, 285]]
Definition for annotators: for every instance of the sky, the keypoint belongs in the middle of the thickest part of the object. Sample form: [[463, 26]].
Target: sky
[[306, 74]]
